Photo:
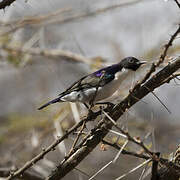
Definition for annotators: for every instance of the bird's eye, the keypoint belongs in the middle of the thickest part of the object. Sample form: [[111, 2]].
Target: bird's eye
[[131, 60]]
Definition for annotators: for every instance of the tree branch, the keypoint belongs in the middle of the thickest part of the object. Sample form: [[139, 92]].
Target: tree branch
[[44, 20], [98, 133], [28, 175], [52, 53], [178, 4], [5, 3], [52, 146], [155, 169], [167, 46], [114, 145]]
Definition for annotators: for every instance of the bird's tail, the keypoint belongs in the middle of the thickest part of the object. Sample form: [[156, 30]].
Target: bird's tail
[[50, 102]]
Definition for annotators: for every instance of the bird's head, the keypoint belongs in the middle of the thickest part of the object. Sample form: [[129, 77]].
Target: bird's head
[[131, 63]]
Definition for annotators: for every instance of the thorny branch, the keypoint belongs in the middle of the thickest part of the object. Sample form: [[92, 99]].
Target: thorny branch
[[140, 143], [5, 3], [130, 138], [98, 133], [116, 146], [161, 59], [155, 65], [178, 4], [52, 146], [152, 69], [167, 46], [77, 138]]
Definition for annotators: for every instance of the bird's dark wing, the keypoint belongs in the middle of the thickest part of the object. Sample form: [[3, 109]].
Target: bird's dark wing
[[96, 79], [74, 86]]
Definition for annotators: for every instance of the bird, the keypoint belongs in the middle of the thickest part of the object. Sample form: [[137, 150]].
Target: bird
[[98, 85]]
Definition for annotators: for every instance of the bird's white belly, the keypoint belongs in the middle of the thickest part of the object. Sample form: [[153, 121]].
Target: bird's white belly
[[102, 92], [110, 88]]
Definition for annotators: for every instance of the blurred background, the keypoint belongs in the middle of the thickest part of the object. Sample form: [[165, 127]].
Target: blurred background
[[91, 34]]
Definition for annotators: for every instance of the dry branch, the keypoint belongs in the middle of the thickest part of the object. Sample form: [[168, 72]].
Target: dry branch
[[52, 53], [178, 4], [28, 175], [167, 46], [46, 19], [165, 173], [52, 146], [125, 152], [155, 169], [5, 3], [98, 133]]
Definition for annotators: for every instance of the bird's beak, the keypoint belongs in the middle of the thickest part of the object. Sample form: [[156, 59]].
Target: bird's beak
[[142, 62]]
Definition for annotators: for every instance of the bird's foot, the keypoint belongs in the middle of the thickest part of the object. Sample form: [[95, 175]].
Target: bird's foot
[[109, 104], [90, 112]]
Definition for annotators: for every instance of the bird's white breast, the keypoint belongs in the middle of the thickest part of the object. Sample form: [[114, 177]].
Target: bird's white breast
[[102, 92], [110, 88]]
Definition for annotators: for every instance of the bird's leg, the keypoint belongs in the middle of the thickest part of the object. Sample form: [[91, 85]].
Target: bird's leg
[[91, 103], [86, 106], [109, 104]]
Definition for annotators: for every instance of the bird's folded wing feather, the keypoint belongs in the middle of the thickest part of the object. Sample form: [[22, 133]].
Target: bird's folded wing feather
[[97, 79]]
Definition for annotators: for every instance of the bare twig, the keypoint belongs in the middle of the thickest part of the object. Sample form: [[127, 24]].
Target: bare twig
[[82, 151], [134, 169], [167, 46], [98, 133], [77, 137], [130, 138], [160, 101], [120, 151], [82, 172], [42, 20], [178, 4], [161, 59], [33, 20], [105, 166], [155, 65], [85, 139], [143, 172], [28, 175], [125, 152], [53, 53], [5, 3], [51, 147], [168, 173], [118, 133]]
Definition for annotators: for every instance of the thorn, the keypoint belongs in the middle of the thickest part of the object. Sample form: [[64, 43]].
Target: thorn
[[161, 102]]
